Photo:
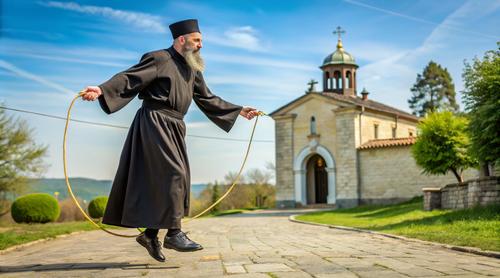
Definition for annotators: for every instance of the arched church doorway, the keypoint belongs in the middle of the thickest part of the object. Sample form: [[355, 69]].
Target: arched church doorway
[[316, 180]]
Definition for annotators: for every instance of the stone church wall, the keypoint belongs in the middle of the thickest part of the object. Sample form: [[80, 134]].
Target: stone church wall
[[346, 168], [390, 175], [385, 124], [285, 192], [325, 124]]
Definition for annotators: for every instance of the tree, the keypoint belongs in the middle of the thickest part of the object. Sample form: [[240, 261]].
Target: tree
[[215, 196], [271, 169], [482, 102], [433, 91], [230, 177], [257, 176], [443, 145], [20, 157]]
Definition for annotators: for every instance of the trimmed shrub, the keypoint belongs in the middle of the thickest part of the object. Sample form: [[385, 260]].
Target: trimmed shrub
[[35, 208], [97, 206]]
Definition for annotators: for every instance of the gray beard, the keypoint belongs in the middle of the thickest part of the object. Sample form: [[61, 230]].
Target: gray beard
[[194, 59]]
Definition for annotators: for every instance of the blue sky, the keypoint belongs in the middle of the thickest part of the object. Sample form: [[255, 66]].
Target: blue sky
[[258, 53]]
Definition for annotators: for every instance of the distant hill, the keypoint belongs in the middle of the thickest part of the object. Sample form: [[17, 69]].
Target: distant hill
[[84, 188]]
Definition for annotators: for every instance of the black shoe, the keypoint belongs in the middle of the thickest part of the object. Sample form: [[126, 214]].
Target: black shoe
[[152, 245], [180, 242]]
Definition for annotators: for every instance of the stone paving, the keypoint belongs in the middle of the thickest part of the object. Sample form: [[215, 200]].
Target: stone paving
[[257, 244]]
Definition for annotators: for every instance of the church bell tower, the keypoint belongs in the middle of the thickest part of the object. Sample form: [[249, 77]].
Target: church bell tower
[[339, 70]]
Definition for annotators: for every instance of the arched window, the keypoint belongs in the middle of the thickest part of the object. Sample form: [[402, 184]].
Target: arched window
[[348, 81], [338, 80], [313, 125]]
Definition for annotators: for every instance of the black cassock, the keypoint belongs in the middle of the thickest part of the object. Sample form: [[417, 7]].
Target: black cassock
[[152, 184]]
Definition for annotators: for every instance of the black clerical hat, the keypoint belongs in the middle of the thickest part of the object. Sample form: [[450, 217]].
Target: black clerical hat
[[184, 27]]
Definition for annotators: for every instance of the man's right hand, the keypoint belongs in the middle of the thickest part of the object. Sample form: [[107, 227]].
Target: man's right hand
[[91, 93]]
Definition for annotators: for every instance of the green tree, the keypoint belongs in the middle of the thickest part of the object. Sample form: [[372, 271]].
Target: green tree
[[215, 196], [433, 91], [259, 181], [20, 158], [443, 145], [482, 102]]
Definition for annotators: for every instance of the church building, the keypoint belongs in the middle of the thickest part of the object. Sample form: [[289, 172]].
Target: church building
[[337, 148]]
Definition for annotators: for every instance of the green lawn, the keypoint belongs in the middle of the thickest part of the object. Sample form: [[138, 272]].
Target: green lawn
[[232, 211], [475, 227], [14, 234]]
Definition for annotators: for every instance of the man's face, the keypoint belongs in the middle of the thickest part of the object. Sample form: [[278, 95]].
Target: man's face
[[191, 51], [193, 42]]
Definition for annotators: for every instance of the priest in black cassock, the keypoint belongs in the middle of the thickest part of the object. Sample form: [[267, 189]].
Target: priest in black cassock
[[152, 184]]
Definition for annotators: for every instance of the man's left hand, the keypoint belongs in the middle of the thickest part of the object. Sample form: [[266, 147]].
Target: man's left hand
[[248, 112]]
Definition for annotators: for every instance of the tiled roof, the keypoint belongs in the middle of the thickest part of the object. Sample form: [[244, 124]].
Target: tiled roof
[[370, 104], [383, 143]]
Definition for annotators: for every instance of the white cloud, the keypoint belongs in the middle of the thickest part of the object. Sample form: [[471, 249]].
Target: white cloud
[[440, 37], [243, 37], [81, 55], [447, 24], [373, 51], [72, 60], [150, 22], [392, 77], [259, 83], [22, 73], [255, 61]]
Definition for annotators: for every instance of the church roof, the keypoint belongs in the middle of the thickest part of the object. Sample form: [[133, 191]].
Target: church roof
[[392, 142], [355, 100], [368, 103]]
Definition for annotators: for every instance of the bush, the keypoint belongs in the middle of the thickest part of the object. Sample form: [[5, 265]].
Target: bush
[[35, 208], [69, 210], [97, 206]]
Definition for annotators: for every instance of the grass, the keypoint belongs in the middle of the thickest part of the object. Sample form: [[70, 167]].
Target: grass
[[226, 212], [232, 211], [15, 234], [474, 227]]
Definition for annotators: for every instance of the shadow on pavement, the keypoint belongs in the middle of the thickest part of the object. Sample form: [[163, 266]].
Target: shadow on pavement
[[79, 266]]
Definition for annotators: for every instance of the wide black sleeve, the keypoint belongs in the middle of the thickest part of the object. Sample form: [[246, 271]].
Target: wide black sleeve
[[124, 86], [219, 111]]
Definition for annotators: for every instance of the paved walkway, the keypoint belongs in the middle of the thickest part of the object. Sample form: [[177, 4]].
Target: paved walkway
[[260, 244]]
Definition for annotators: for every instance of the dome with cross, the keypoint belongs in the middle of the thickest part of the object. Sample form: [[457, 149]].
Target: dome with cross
[[340, 56]]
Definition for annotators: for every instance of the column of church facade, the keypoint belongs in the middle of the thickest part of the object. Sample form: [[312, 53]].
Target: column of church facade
[[284, 162], [346, 157]]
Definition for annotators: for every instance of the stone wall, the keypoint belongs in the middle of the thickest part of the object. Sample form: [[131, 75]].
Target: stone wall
[[325, 123], [390, 175], [346, 158], [468, 194], [432, 198], [284, 162], [385, 124]]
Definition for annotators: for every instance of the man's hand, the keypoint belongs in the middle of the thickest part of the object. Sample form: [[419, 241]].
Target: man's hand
[[248, 112], [91, 93]]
